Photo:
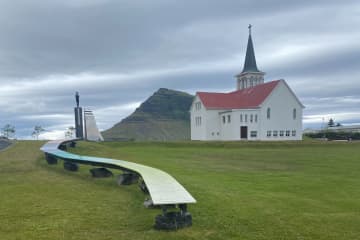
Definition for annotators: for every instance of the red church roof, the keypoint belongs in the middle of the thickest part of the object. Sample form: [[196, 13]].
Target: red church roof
[[245, 98]]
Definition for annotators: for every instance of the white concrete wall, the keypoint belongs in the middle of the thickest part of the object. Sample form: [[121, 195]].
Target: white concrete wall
[[92, 132], [281, 103]]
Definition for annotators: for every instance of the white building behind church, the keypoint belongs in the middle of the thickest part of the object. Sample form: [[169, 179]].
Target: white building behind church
[[255, 111]]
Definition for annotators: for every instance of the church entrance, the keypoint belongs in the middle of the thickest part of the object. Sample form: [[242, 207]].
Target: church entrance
[[243, 132]]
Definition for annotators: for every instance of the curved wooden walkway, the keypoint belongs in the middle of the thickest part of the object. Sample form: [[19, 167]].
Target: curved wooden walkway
[[163, 188]]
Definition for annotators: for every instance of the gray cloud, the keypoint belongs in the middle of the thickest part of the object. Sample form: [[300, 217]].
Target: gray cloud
[[117, 53]]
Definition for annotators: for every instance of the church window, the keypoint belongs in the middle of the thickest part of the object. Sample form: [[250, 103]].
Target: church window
[[217, 133], [287, 133], [241, 118], [224, 120], [253, 134], [212, 133], [229, 118], [251, 118], [293, 133], [275, 133], [268, 134], [281, 133], [245, 117], [256, 118], [197, 121], [294, 113], [251, 82], [268, 113]]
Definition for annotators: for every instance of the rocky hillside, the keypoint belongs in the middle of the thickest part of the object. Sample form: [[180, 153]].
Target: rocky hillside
[[162, 117]]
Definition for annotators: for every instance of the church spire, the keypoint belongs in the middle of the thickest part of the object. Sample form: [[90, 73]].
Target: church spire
[[250, 76], [250, 61]]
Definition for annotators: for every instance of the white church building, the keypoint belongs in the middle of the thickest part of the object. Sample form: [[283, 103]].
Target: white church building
[[257, 110]]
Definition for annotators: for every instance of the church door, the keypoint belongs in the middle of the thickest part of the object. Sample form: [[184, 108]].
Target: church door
[[243, 132]]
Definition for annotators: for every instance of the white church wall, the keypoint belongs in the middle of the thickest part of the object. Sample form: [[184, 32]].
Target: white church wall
[[198, 120], [249, 118], [212, 125], [281, 103], [226, 125]]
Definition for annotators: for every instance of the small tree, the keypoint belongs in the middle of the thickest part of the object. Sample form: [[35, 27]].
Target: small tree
[[338, 124], [70, 132], [8, 131], [331, 123], [37, 131]]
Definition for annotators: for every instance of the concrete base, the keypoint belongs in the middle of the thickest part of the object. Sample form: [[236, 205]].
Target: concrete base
[[143, 187], [100, 173], [51, 160], [63, 147], [127, 178], [173, 221], [72, 144], [73, 167]]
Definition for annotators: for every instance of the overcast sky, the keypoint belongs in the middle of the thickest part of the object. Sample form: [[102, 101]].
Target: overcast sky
[[117, 53]]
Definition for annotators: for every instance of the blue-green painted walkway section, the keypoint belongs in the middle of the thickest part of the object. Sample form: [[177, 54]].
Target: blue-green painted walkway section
[[163, 188]]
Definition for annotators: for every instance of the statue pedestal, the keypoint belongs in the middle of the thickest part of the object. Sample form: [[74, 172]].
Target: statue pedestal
[[79, 126]]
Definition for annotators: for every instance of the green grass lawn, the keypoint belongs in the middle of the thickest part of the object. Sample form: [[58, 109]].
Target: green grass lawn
[[255, 190]]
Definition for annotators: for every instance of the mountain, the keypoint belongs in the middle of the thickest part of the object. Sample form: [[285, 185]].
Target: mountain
[[162, 117]]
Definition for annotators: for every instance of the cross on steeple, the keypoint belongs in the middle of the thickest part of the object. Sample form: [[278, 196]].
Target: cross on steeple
[[249, 27]]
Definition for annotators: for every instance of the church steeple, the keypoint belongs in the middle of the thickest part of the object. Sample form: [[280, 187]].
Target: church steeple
[[250, 61], [250, 75]]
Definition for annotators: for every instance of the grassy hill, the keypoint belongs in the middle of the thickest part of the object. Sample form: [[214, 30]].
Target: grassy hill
[[254, 190], [162, 117]]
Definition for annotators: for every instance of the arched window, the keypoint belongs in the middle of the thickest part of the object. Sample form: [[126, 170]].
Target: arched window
[[268, 113], [294, 113]]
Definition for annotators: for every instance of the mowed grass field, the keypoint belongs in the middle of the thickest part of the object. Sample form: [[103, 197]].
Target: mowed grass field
[[254, 190]]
